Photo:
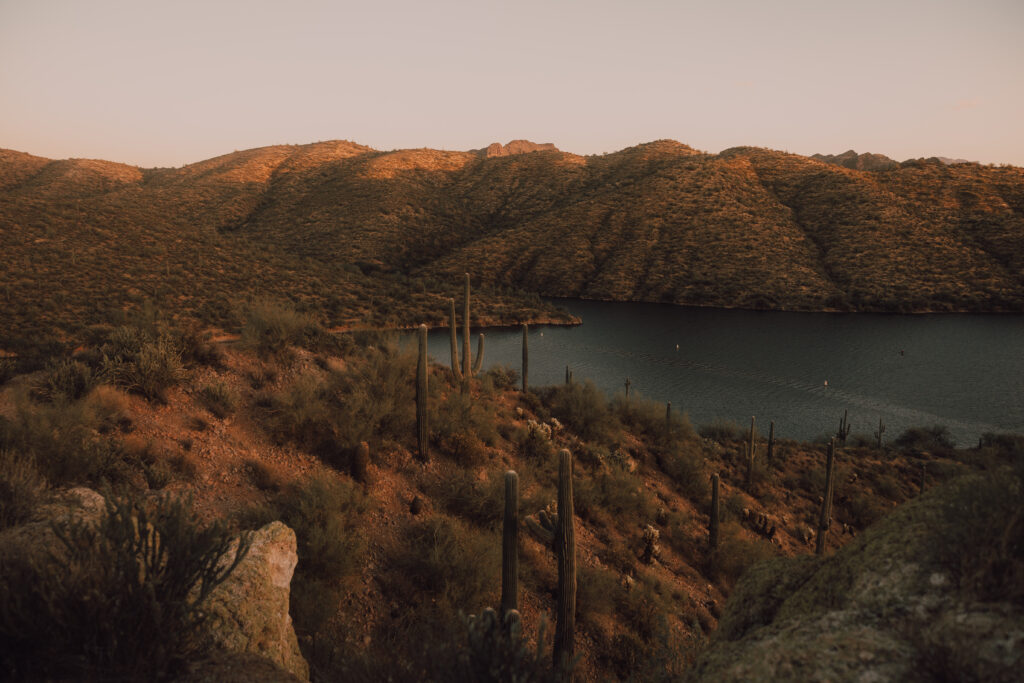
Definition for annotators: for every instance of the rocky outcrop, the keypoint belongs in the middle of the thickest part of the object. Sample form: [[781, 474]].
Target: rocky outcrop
[[248, 613], [496, 149], [887, 607]]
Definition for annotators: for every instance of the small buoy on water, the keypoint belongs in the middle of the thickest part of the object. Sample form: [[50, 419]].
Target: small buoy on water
[[542, 334], [677, 347], [826, 383]]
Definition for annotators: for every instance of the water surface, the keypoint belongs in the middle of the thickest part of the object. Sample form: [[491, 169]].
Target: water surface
[[962, 371]]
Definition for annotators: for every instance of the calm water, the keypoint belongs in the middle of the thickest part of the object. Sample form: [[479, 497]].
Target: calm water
[[962, 371]]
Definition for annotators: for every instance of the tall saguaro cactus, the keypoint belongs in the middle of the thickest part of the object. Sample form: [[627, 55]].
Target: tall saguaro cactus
[[526, 356], [456, 370], [714, 517], [844, 427], [750, 455], [510, 547], [824, 521], [421, 395], [468, 367], [771, 441], [878, 434], [565, 539]]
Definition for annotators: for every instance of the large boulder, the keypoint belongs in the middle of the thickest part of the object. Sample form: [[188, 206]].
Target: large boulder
[[900, 603], [248, 612]]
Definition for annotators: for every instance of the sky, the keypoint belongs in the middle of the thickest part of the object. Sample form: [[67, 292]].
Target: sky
[[172, 82]]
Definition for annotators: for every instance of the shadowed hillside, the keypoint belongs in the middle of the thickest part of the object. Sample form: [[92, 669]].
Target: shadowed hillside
[[367, 238]]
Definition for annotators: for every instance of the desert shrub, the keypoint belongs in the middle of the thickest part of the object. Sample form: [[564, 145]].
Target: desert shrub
[[487, 651], [67, 380], [375, 399], [326, 514], [615, 493], [596, 592], [722, 430], [460, 494], [197, 348], [934, 439], [863, 510], [218, 399], [461, 425], [117, 600], [503, 378], [270, 327], [302, 413], [981, 539], [449, 562], [142, 362], [647, 417], [62, 442], [582, 407], [685, 465], [22, 488], [735, 554]]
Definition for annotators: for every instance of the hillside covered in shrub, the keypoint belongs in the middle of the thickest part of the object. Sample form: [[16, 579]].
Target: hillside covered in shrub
[[395, 550], [366, 238]]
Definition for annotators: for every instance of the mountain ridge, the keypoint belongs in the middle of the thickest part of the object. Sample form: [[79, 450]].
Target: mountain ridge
[[341, 228]]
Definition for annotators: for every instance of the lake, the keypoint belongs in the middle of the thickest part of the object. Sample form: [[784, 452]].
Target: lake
[[962, 371]]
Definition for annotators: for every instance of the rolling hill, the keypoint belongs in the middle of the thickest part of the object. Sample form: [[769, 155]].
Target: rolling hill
[[364, 237]]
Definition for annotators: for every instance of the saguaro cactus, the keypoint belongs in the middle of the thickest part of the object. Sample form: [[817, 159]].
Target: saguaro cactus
[[469, 367], [668, 420], [456, 370], [627, 387], [824, 520], [565, 627], [844, 428], [526, 355], [750, 455], [878, 434], [771, 441], [421, 396], [713, 521], [568, 376], [510, 547]]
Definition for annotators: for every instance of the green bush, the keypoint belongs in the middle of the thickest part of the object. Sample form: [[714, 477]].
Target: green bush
[[141, 362], [118, 600], [459, 493], [685, 465]]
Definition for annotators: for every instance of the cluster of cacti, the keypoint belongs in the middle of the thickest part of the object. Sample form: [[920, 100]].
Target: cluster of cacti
[[421, 395], [714, 516], [844, 428], [824, 521], [469, 367], [750, 455], [761, 524], [878, 434], [526, 356]]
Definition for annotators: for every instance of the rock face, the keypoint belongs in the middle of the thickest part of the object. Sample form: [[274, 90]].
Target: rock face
[[496, 149], [886, 607], [248, 613]]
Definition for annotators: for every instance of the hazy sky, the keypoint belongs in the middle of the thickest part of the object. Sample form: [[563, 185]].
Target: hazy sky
[[176, 81]]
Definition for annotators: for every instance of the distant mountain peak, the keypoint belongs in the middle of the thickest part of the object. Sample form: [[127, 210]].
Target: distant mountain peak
[[858, 162], [496, 149]]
